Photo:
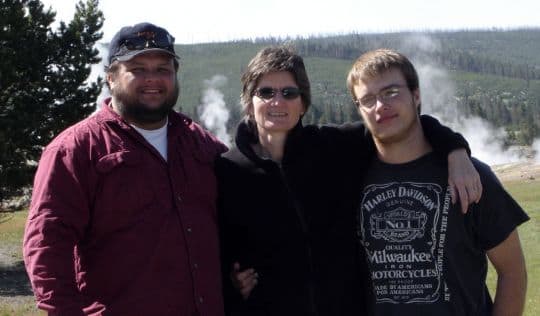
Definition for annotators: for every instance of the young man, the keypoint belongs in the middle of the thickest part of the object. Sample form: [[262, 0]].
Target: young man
[[123, 218], [426, 257]]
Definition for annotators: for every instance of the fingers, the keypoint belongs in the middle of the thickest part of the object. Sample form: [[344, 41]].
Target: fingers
[[249, 285], [479, 190], [474, 189], [243, 281], [463, 198], [453, 193], [468, 189]]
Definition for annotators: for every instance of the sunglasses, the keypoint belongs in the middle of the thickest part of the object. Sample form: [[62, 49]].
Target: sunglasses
[[268, 93], [144, 40]]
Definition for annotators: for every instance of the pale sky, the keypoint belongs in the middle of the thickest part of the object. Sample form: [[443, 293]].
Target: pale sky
[[195, 21]]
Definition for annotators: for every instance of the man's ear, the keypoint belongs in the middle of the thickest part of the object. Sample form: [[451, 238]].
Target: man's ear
[[110, 80]]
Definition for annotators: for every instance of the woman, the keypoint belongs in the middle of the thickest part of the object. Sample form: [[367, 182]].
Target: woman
[[280, 208]]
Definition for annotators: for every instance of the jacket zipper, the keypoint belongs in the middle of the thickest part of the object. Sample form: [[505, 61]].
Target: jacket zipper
[[305, 230]]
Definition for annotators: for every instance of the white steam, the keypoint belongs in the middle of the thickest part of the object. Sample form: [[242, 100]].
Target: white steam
[[214, 113], [536, 150], [438, 95]]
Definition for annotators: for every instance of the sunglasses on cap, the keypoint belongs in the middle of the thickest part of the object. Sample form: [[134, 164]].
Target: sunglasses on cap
[[268, 93], [150, 39]]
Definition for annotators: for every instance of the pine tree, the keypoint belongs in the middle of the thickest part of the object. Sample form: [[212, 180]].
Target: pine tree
[[43, 86]]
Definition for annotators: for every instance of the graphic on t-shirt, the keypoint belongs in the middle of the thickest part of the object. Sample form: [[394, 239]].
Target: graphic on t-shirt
[[403, 227]]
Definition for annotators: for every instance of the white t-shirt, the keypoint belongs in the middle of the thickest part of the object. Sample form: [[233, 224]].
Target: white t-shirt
[[156, 137]]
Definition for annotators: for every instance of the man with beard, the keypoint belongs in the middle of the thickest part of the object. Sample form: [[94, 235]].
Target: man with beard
[[426, 257], [123, 218]]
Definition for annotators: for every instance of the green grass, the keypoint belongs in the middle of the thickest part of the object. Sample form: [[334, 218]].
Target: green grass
[[526, 193], [528, 196], [15, 293]]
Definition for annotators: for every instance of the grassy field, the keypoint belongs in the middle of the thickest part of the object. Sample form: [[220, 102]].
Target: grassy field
[[16, 297], [15, 293], [527, 193]]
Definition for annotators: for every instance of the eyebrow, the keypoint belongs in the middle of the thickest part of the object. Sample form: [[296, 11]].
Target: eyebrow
[[388, 86], [392, 85]]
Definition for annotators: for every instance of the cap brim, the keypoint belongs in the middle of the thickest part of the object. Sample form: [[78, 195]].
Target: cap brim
[[132, 54]]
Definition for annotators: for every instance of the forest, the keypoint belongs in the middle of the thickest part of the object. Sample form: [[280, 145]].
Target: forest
[[492, 74]]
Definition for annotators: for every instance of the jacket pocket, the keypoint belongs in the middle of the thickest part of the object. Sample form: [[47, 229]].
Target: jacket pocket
[[123, 197]]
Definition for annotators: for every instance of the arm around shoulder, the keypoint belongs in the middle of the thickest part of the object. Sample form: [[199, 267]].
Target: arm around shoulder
[[443, 139]]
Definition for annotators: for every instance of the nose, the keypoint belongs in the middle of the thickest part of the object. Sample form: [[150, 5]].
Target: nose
[[277, 99], [380, 104], [151, 75]]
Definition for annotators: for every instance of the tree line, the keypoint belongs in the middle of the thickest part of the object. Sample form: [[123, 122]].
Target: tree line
[[44, 76]]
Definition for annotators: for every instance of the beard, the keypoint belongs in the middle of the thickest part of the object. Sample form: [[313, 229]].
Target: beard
[[133, 110]]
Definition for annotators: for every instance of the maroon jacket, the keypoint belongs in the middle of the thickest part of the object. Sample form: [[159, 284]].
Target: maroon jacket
[[114, 229]]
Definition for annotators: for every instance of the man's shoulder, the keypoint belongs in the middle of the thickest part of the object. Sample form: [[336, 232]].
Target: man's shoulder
[[75, 135], [487, 176]]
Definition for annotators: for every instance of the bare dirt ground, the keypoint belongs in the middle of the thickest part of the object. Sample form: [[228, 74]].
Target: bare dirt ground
[[521, 171]]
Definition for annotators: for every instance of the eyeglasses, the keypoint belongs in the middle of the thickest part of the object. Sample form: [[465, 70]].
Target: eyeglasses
[[385, 96], [268, 93], [149, 40]]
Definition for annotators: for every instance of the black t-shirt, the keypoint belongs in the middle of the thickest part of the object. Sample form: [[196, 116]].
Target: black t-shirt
[[427, 258]]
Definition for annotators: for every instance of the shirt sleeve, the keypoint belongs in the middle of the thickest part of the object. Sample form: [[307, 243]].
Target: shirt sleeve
[[350, 140], [57, 218], [497, 214], [442, 138]]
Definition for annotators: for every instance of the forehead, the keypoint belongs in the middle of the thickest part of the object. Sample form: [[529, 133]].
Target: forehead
[[277, 79], [374, 84], [158, 58]]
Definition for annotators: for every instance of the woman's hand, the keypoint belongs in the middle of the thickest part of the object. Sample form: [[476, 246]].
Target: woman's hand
[[463, 179], [243, 281]]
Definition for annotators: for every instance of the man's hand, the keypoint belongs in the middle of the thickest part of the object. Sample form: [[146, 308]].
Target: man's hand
[[243, 281], [463, 179]]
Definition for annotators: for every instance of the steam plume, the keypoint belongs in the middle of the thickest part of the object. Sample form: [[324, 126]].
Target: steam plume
[[536, 149], [214, 113], [438, 94]]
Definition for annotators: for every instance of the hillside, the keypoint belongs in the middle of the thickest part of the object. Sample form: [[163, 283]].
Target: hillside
[[492, 74]]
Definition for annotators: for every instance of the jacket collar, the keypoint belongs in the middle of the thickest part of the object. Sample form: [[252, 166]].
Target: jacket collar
[[246, 136]]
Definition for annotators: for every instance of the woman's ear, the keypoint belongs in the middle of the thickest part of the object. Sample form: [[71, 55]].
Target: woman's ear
[[416, 97]]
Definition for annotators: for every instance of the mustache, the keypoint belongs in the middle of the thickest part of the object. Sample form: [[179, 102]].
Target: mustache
[[132, 109]]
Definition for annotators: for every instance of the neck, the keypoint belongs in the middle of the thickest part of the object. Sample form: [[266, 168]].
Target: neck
[[273, 144], [144, 125], [148, 126], [412, 146]]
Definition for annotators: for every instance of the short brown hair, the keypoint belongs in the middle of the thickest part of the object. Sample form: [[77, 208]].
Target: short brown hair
[[376, 62], [273, 59]]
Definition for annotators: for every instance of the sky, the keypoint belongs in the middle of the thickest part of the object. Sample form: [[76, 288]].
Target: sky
[[198, 21]]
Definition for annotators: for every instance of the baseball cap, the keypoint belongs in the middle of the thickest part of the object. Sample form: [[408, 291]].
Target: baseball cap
[[138, 39]]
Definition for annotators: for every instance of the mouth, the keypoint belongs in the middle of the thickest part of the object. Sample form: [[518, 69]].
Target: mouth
[[386, 118], [149, 91], [277, 114]]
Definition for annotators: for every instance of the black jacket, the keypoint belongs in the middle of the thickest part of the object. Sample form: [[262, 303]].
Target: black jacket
[[290, 223]]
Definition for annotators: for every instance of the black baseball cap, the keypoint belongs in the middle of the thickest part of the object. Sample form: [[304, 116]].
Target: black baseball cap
[[140, 38]]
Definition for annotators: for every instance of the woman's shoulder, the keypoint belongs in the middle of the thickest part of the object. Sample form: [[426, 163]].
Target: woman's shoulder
[[233, 161]]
